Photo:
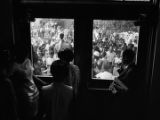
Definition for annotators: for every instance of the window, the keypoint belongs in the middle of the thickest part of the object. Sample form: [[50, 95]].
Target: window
[[45, 35], [110, 39]]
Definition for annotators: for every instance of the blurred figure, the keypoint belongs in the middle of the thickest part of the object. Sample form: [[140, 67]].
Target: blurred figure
[[126, 88], [58, 96], [8, 103], [61, 45], [126, 71], [117, 62], [27, 92], [110, 55], [130, 46]]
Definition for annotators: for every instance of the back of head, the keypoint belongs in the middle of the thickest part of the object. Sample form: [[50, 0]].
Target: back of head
[[128, 56], [66, 55], [130, 46], [59, 70], [61, 35]]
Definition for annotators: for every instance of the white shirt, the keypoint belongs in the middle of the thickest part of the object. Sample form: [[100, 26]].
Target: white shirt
[[105, 75], [110, 56]]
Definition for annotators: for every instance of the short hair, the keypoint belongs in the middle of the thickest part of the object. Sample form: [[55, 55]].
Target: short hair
[[66, 55], [130, 45], [128, 56], [59, 70], [61, 35]]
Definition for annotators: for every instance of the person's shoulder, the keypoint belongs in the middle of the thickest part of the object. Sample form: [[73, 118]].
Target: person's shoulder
[[69, 87], [68, 90], [47, 89], [73, 66]]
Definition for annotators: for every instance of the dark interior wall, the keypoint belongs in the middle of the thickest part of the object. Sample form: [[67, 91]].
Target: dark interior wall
[[6, 37], [155, 83], [21, 30]]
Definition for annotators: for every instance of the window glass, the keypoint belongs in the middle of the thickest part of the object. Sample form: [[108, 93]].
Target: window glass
[[110, 39], [46, 41]]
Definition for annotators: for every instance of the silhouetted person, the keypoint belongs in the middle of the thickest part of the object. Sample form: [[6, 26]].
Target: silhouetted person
[[61, 45], [126, 86], [58, 96], [73, 77]]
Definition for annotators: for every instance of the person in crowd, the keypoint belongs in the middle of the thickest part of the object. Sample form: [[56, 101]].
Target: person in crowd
[[61, 45], [130, 46], [110, 55], [123, 48], [117, 62], [8, 102], [73, 78], [58, 96], [49, 61]]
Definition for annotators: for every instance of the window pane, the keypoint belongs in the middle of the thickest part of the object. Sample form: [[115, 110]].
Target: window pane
[[110, 39], [45, 35]]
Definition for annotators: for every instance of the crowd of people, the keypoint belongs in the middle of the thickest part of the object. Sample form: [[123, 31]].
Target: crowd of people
[[48, 36], [108, 49]]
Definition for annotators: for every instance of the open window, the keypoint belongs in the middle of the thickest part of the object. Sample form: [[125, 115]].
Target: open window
[[110, 39], [45, 41]]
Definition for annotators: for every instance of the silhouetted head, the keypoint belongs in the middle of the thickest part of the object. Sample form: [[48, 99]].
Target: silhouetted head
[[128, 56], [130, 46], [59, 70], [61, 35], [66, 55]]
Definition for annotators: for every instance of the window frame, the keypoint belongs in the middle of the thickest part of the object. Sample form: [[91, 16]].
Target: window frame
[[85, 14]]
